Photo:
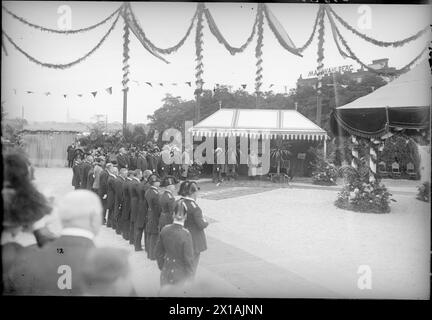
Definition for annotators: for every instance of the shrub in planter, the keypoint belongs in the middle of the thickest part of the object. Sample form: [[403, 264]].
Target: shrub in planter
[[324, 173], [424, 192], [360, 195]]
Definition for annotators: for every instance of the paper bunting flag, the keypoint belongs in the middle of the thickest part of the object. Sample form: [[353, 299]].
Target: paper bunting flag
[[80, 95], [149, 83], [65, 95], [161, 84], [94, 93], [47, 93], [271, 85], [29, 92], [188, 83], [109, 90], [244, 86]]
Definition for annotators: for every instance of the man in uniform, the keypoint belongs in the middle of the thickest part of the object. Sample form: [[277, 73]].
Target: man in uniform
[[84, 168], [113, 172], [119, 196], [103, 188], [76, 182], [141, 216], [154, 211], [134, 202], [123, 159], [142, 161], [126, 207], [167, 201], [174, 250]]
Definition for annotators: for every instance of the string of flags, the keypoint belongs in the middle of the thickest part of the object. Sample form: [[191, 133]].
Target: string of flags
[[110, 90]]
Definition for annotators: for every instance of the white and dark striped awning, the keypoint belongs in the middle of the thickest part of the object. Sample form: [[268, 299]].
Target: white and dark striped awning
[[259, 123]]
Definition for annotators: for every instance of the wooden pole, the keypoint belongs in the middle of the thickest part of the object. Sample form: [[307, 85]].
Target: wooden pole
[[125, 73]]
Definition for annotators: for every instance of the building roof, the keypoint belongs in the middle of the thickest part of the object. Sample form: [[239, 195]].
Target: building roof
[[267, 123], [56, 127]]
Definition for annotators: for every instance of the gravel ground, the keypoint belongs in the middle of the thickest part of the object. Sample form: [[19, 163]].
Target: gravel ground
[[292, 242]]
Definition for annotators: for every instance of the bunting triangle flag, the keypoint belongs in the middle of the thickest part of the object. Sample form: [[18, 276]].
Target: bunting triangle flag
[[188, 83], [94, 93], [47, 93], [271, 85], [109, 90], [65, 95], [161, 84], [29, 92], [80, 95], [149, 83], [244, 86]]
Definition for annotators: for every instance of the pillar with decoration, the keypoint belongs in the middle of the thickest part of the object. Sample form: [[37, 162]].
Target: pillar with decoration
[[125, 69]]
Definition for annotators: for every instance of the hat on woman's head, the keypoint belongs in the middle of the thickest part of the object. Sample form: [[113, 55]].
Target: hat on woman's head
[[168, 180], [153, 178]]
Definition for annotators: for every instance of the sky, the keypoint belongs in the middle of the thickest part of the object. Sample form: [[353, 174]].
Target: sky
[[165, 24]]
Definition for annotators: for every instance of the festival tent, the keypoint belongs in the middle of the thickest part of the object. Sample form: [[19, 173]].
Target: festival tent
[[404, 103], [259, 123], [266, 124]]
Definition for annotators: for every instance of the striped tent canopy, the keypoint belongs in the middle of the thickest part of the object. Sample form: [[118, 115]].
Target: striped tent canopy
[[259, 123]]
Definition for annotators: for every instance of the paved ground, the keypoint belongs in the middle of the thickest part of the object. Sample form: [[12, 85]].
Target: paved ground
[[270, 240]]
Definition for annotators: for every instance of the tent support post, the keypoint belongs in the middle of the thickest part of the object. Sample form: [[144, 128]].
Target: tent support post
[[325, 148]]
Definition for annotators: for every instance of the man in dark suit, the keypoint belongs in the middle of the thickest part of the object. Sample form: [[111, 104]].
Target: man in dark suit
[[76, 182], [103, 188], [123, 159], [113, 172], [84, 168], [153, 215], [119, 196], [126, 207], [141, 214], [134, 202], [142, 161], [70, 154], [56, 268], [174, 250]]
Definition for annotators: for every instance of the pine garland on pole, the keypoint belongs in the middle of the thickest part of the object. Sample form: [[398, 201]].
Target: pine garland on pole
[[258, 52], [199, 57], [320, 67], [354, 152], [125, 73]]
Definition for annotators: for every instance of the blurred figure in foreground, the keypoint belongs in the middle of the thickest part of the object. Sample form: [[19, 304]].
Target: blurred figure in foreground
[[174, 250], [56, 268], [106, 272]]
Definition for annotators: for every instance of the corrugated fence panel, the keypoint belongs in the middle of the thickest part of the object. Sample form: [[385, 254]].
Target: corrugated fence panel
[[48, 150]]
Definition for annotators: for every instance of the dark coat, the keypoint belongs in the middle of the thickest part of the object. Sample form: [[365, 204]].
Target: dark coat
[[103, 183], [90, 179], [196, 225], [70, 153], [123, 161], [167, 204], [174, 254], [76, 179], [39, 272], [135, 199], [126, 204], [132, 162], [84, 168], [142, 213], [142, 163], [154, 210], [118, 189], [111, 192]]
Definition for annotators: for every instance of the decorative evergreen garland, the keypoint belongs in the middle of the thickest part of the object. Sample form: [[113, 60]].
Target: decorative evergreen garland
[[65, 65], [334, 34], [125, 57], [309, 41], [393, 73], [199, 48], [320, 58], [218, 35], [398, 43], [40, 28], [152, 45], [276, 33], [258, 49]]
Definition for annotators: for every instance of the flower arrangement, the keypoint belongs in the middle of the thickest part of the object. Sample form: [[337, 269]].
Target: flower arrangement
[[361, 195], [424, 192], [324, 173]]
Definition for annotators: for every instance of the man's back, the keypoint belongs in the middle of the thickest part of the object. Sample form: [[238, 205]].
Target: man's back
[[53, 270]]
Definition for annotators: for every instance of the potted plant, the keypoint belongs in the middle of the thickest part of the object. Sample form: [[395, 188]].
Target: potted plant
[[280, 152]]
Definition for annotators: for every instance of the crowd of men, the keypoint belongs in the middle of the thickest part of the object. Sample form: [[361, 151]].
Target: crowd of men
[[140, 206]]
